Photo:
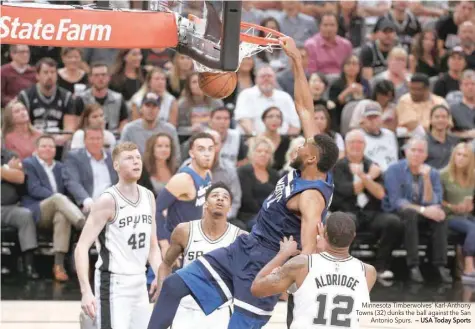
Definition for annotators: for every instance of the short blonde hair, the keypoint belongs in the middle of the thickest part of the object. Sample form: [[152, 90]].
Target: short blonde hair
[[122, 147], [398, 52], [254, 144]]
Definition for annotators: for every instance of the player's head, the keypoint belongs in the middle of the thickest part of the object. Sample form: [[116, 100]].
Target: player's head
[[340, 230], [127, 161], [218, 200], [202, 150], [320, 151]]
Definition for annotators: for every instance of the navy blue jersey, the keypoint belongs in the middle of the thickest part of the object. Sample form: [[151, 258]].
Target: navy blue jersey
[[275, 220], [185, 211]]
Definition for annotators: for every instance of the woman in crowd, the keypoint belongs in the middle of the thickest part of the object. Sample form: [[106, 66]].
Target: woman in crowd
[[383, 93], [351, 25], [182, 67], [318, 85], [425, 57], [127, 72], [277, 58], [18, 133], [272, 118], [349, 87], [291, 154], [92, 117], [194, 107], [156, 82], [458, 180], [257, 179], [71, 74], [323, 122], [160, 160]]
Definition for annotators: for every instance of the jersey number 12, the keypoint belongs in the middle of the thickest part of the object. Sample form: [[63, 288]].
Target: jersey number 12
[[137, 241], [342, 311]]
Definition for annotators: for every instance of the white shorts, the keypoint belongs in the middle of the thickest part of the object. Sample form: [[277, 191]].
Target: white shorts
[[187, 318], [122, 301]]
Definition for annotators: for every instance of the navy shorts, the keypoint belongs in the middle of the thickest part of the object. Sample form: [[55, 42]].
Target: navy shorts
[[227, 274]]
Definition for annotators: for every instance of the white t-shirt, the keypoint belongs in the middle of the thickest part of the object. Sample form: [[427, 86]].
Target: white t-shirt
[[382, 149]]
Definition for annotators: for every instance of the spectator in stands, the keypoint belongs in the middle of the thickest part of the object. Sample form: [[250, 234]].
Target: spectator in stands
[[381, 146], [16, 75], [464, 112], [127, 73], [19, 134], [257, 179], [14, 215], [89, 171], [447, 26], [234, 149], [449, 81], [51, 108], [351, 25], [156, 82], [194, 107], [45, 197], [458, 182], [252, 102], [323, 123], [275, 59], [160, 160], [286, 79], [407, 24], [349, 87], [272, 118], [295, 24], [397, 72], [375, 53], [318, 85], [291, 154], [182, 67], [100, 55], [92, 117], [373, 9], [116, 112], [317, 8], [326, 50], [358, 192], [413, 109], [425, 55], [246, 78], [383, 93], [138, 131], [249, 13], [72, 77], [414, 191], [440, 143], [467, 42], [157, 58]]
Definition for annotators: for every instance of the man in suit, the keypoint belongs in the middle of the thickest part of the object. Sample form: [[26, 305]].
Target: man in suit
[[45, 197], [89, 171]]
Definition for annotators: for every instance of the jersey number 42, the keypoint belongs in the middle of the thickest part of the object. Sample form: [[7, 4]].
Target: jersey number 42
[[137, 240]]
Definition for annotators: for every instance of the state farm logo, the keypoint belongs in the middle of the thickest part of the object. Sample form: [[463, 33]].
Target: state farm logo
[[64, 30]]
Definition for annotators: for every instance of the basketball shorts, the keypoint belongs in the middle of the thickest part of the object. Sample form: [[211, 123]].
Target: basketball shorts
[[122, 301], [188, 318], [227, 274]]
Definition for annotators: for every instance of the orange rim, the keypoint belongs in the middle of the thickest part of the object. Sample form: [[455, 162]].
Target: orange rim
[[272, 40]]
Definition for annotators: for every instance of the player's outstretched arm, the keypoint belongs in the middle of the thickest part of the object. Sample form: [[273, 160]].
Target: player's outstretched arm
[[275, 278], [102, 211], [302, 96], [311, 206]]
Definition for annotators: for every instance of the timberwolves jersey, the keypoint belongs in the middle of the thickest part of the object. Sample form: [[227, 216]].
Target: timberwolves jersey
[[198, 245], [275, 220], [331, 294], [124, 243], [185, 211]]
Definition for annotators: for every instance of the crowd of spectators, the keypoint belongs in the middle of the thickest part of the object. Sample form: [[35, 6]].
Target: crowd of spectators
[[393, 84]]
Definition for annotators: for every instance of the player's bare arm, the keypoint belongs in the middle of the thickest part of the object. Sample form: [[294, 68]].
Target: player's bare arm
[[302, 96], [102, 211], [154, 256], [311, 206], [275, 278], [370, 275]]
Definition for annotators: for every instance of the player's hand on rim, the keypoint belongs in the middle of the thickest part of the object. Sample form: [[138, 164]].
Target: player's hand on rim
[[289, 47], [289, 247], [88, 305]]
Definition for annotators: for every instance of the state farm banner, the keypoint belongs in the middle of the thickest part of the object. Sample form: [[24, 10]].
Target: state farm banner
[[68, 26]]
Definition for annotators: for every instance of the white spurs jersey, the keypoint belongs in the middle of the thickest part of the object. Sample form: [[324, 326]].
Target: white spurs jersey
[[124, 243], [198, 245], [330, 295]]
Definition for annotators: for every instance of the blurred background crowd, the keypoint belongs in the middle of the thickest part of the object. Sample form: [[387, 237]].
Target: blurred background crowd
[[393, 83]]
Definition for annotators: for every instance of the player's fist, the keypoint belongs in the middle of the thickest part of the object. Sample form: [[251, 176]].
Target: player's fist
[[88, 305], [289, 247], [289, 47]]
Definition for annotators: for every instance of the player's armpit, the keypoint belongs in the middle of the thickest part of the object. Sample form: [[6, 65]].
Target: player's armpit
[[370, 275], [311, 206], [280, 278]]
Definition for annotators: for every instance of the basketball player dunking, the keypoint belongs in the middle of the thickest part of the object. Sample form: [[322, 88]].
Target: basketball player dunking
[[331, 286], [123, 222], [193, 240], [298, 203]]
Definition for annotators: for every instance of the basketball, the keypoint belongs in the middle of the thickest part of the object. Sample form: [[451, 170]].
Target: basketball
[[218, 85]]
